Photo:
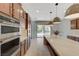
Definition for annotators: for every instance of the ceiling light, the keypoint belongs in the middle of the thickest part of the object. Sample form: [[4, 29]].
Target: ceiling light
[[72, 11], [37, 11], [72, 16], [56, 20]]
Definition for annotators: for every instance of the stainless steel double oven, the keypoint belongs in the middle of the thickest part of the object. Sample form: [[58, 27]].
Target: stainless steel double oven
[[9, 36]]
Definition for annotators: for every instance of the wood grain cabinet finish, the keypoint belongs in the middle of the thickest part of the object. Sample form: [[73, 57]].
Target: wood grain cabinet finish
[[21, 12], [18, 53], [73, 24], [73, 38], [77, 23], [22, 48], [25, 46], [16, 10], [6, 8], [26, 21]]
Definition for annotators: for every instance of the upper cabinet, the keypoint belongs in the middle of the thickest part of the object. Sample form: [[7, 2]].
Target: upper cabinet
[[6, 8], [75, 24], [16, 10], [26, 20], [21, 13]]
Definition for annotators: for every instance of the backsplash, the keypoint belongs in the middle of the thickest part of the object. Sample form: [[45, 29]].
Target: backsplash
[[74, 32]]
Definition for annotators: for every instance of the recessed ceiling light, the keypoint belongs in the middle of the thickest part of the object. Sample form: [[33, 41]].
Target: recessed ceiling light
[[37, 11]]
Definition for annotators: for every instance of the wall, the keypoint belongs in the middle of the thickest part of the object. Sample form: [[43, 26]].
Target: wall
[[23, 31], [64, 27], [33, 29]]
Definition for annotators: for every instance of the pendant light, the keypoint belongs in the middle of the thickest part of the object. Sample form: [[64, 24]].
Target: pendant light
[[50, 22], [56, 19], [72, 12]]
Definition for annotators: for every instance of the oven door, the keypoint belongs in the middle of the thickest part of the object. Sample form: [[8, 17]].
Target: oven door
[[10, 47], [8, 30]]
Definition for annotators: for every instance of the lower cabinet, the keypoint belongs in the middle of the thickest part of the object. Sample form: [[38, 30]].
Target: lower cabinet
[[50, 48], [23, 48], [18, 53]]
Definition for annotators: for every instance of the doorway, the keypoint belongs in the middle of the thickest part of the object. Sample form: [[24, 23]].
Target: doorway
[[43, 30]]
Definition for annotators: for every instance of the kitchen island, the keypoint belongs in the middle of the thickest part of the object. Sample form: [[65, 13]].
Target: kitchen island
[[60, 46]]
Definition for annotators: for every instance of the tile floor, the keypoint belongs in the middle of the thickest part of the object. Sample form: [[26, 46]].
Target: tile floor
[[37, 48]]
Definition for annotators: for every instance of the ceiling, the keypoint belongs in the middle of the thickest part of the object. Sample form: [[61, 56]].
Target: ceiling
[[41, 11]]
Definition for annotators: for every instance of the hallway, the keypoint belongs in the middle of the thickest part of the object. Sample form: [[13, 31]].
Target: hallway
[[37, 48]]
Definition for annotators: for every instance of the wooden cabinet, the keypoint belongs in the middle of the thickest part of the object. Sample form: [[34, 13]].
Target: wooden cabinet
[[73, 24], [16, 10], [73, 38], [6, 8], [18, 53], [26, 21], [51, 50], [25, 46], [21, 13], [77, 23], [22, 48], [13, 9]]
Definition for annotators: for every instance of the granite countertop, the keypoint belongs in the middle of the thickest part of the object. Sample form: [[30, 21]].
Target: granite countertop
[[64, 47]]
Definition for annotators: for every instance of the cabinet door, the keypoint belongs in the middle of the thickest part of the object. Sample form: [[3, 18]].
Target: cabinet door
[[26, 20], [21, 13], [77, 23], [22, 48], [16, 10], [25, 46], [18, 54], [73, 24], [6, 8]]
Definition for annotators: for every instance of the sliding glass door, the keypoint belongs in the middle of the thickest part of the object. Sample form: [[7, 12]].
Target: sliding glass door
[[43, 30], [40, 31]]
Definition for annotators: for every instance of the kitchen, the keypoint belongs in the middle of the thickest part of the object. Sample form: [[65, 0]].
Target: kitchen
[[13, 29], [58, 30]]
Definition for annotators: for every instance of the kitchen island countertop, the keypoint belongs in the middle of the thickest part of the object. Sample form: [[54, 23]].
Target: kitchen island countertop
[[63, 46]]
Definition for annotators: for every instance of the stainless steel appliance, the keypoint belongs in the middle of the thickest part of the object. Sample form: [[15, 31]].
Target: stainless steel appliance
[[8, 29], [9, 35]]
